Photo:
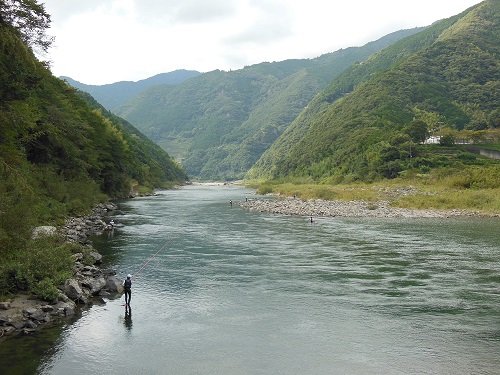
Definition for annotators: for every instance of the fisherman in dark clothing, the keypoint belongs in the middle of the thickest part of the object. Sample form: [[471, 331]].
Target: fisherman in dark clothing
[[127, 287]]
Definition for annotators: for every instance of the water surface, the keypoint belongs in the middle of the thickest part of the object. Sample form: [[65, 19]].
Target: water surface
[[234, 292]]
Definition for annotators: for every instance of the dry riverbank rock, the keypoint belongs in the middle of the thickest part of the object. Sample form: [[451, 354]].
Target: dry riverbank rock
[[25, 314], [319, 208]]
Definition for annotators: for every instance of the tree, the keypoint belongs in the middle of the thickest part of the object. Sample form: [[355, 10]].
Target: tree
[[447, 140], [418, 131], [30, 19]]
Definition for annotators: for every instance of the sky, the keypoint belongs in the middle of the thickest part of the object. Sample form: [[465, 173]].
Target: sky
[[105, 41]]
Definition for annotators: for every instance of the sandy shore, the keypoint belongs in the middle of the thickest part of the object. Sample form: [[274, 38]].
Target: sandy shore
[[323, 208]]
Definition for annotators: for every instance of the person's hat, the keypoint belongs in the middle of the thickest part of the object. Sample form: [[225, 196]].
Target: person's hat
[[129, 276]]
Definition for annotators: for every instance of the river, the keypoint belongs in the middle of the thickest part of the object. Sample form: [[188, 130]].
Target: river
[[238, 292]]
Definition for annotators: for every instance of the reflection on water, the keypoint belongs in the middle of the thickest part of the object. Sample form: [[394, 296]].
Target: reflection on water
[[233, 292], [127, 321]]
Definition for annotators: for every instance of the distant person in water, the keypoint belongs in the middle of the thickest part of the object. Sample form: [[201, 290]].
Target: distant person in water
[[231, 203], [127, 288], [312, 221]]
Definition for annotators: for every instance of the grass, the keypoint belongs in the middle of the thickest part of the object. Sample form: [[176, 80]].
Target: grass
[[470, 188]]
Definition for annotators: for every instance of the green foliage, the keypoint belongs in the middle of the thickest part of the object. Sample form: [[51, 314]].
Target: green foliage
[[447, 140], [29, 19], [39, 266], [219, 123], [46, 290], [418, 131], [60, 154], [354, 130]]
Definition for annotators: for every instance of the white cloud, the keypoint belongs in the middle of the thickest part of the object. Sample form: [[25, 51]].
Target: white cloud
[[101, 41]]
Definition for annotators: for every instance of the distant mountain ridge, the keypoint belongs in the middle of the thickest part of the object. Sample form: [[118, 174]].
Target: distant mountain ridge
[[114, 95], [219, 123]]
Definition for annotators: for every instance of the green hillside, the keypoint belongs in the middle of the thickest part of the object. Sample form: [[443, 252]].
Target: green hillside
[[218, 124], [369, 123], [113, 95], [60, 153]]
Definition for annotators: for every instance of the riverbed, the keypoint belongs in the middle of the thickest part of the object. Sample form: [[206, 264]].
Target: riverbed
[[221, 290]]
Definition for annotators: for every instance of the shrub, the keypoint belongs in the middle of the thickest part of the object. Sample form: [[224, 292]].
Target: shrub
[[46, 290]]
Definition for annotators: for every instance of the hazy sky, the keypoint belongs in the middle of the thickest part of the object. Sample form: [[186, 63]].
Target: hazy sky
[[104, 41]]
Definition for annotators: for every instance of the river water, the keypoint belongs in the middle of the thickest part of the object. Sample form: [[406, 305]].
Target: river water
[[235, 292]]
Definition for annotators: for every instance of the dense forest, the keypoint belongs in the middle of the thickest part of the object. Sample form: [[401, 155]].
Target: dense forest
[[112, 96], [371, 122], [60, 153], [219, 123]]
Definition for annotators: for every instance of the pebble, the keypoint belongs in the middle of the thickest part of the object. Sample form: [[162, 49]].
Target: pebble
[[319, 208]]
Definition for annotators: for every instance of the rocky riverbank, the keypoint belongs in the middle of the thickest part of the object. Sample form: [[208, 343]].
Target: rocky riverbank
[[89, 283], [323, 208]]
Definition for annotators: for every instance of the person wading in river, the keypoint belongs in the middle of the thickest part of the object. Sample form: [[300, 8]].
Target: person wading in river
[[127, 288]]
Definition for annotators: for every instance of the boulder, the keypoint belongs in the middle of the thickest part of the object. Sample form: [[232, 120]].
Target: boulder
[[4, 305], [30, 324], [90, 271], [43, 231], [109, 272], [94, 284], [73, 290], [47, 308], [8, 330], [64, 308], [4, 319], [17, 324], [97, 257], [68, 311], [114, 285], [78, 257], [30, 311]]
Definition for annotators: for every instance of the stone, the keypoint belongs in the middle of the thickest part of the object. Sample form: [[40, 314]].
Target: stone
[[30, 324], [77, 257], [104, 293], [97, 257], [43, 231], [94, 284], [39, 315], [68, 311], [109, 272], [91, 270], [8, 330], [17, 324], [4, 319], [73, 290], [63, 297], [4, 305], [114, 285], [30, 311], [47, 308]]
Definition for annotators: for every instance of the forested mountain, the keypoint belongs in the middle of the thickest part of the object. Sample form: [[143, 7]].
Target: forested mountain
[[219, 123], [114, 95], [370, 121], [60, 153]]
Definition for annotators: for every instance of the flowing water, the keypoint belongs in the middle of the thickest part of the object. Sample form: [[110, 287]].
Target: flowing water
[[235, 292]]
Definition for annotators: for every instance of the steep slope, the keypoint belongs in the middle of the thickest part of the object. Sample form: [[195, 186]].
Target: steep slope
[[114, 95], [60, 151], [446, 76], [60, 154], [219, 123]]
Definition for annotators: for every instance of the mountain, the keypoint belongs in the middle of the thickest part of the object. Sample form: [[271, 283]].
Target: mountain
[[60, 151], [114, 95], [60, 154], [219, 123], [361, 127]]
